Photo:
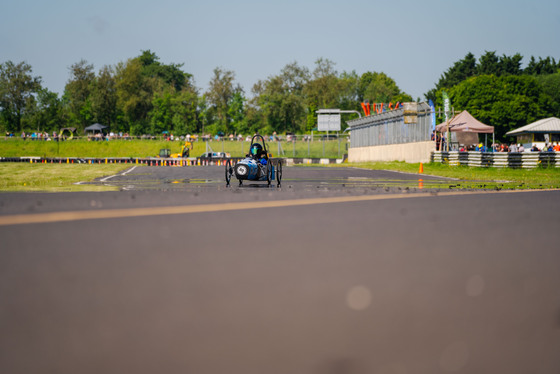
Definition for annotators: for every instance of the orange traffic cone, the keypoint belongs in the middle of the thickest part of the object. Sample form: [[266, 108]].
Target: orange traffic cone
[[421, 168]]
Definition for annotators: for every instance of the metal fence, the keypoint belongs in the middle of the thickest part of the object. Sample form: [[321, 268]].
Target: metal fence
[[408, 124]]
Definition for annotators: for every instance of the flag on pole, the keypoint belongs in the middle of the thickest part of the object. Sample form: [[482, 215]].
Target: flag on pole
[[446, 105], [433, 109]]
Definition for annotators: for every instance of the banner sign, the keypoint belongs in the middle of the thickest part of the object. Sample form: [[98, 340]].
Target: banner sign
[[328, 122]]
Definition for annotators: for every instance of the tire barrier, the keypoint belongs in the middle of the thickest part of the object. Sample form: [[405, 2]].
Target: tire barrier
[[156, 161], [525, 160]]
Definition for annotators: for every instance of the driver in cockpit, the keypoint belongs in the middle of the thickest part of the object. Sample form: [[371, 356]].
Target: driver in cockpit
[[259, 155]]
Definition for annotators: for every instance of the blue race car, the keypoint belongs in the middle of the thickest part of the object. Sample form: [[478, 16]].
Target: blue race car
[[256, 166]]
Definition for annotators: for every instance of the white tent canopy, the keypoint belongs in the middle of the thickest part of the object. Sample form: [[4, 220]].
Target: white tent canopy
[[544, 126]]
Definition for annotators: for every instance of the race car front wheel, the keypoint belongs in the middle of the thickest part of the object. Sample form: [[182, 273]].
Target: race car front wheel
[[229, 172]]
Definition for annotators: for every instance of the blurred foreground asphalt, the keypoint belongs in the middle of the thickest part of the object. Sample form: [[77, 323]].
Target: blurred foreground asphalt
[[397, 280]]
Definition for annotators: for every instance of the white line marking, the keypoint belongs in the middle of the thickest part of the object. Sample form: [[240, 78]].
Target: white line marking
[[129, 170], [117, 175], [107, 178]]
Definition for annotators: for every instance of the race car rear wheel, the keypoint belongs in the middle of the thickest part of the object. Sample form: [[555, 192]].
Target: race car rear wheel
[[279, 172], [269, 173], [229, 172]]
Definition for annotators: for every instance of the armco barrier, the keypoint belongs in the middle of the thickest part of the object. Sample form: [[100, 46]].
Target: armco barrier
[[526, 160], [156, 161]]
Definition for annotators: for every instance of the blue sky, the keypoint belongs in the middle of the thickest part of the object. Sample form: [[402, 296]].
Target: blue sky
[[413, 42]]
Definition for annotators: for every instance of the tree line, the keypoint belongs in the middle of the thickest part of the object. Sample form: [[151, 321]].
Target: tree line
[[145, 96], [499, 92]]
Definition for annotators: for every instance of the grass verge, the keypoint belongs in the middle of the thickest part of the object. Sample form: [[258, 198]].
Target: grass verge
[[22, 177], [150, 148], [472, 177]]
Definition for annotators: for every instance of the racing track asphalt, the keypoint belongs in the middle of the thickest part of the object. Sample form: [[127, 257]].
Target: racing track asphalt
[[383, 280], [169, 186]]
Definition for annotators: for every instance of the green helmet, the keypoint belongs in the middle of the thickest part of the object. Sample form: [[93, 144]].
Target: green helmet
[[256, 149]]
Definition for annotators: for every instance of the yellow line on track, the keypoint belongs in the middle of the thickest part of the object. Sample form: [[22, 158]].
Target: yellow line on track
[[22, 219]]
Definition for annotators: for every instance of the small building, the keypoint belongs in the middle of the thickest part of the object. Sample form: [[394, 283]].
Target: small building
[[540, 133]]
